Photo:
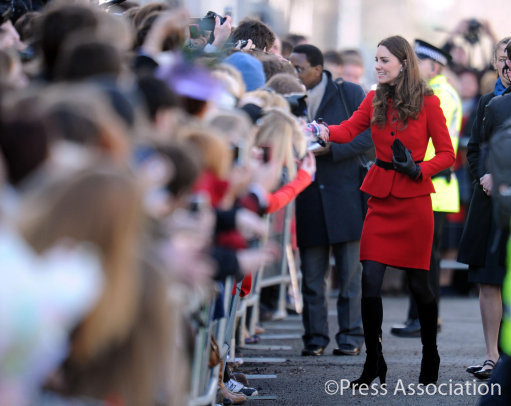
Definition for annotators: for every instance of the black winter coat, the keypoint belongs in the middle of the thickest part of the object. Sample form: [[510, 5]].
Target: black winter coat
[[476, 233], [330, 210], [497, 112]]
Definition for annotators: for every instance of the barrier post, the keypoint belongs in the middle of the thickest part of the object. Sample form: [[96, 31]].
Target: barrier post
[[281, 312]]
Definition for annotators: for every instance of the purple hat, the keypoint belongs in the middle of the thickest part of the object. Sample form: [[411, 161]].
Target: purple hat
[[190, 81], [251, 69]]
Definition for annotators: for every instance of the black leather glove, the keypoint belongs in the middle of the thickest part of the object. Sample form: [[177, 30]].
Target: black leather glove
[[403, 161]]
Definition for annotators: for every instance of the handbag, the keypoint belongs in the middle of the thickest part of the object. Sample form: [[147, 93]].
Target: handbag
[[399, 150]]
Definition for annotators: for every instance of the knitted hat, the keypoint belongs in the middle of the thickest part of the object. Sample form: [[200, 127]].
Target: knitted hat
[[251, 69]]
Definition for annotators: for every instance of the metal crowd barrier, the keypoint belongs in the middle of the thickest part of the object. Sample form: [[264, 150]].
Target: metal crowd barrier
[[238, 312], [284, 277], [204, 380], [199, 390], [249, 305], [229, 346]]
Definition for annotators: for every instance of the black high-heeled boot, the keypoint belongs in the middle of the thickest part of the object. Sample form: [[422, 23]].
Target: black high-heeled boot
[[428, 317], [374, 366]]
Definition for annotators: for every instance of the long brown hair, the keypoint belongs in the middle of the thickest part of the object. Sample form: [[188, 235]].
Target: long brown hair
[[408, 98], [102, 206], [120, 348], [216, 156]]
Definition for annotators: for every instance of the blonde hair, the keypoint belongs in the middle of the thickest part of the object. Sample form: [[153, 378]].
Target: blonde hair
[[215, 152], [280, 131], [266, 99], [231, 79], [235, 127]]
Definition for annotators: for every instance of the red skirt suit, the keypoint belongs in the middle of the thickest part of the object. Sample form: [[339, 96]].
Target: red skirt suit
[[398, 228]]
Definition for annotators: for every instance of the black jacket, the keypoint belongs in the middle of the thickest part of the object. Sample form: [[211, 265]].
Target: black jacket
[[497, 112], [476, 233], [330, 210]]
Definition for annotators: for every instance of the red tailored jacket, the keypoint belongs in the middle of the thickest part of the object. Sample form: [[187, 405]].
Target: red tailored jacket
[[430, 123]]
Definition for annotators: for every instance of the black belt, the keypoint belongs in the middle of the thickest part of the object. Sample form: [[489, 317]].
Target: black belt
[[446, 173], [387, 165], [383, 164]]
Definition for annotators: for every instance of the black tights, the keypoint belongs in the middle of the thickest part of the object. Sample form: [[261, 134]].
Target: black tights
[[372, 279]]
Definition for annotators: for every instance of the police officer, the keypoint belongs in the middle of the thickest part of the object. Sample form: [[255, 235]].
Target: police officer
[[432, 60]]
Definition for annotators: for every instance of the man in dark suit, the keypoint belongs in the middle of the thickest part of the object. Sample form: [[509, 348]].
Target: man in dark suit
[[330, 212]]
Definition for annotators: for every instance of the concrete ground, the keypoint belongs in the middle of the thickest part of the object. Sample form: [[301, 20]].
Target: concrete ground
[[291, 379]]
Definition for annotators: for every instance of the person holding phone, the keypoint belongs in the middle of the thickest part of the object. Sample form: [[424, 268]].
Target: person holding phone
[[403, 114]]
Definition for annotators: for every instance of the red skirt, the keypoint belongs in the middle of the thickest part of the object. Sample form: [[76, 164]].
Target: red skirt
[[398, 232]]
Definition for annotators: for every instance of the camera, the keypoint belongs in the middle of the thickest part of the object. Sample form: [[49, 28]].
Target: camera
[[202, 27], [242, 43], [472, 33], [207, 23], [297, 103]]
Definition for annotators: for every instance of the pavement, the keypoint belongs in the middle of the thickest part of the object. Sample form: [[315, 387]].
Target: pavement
[[284, 377]]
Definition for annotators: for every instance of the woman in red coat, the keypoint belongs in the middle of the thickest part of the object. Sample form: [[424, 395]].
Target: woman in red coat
[[403, 115]]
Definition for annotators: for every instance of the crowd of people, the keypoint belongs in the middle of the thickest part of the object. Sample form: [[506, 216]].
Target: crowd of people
[[141, 151], [138, 162]]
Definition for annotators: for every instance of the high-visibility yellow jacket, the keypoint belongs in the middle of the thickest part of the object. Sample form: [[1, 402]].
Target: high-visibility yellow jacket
[[447, 196]]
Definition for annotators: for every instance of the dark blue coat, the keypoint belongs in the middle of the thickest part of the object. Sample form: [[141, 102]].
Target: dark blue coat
[[330, 210]]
